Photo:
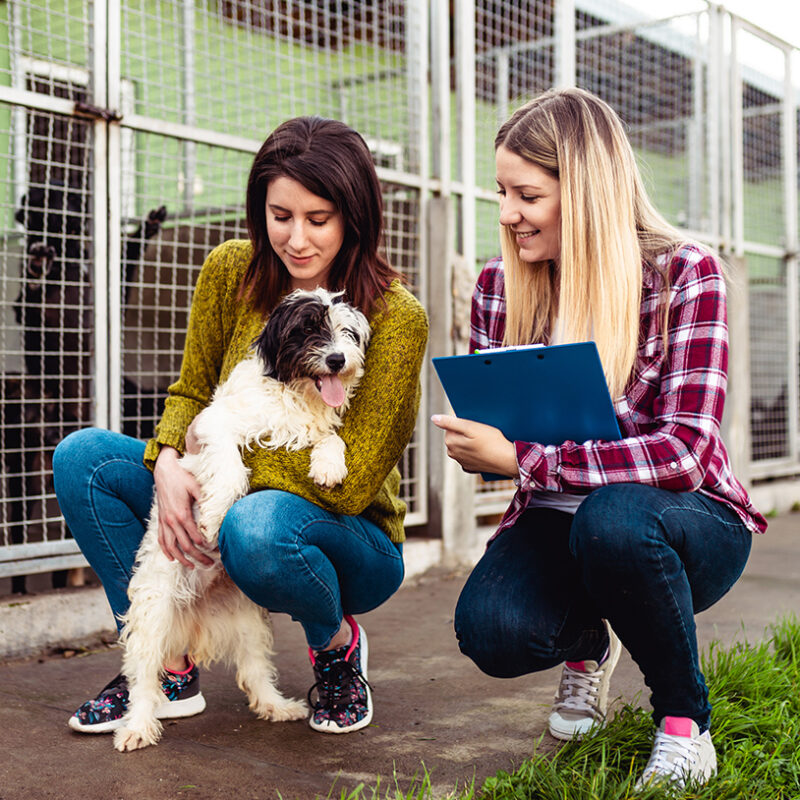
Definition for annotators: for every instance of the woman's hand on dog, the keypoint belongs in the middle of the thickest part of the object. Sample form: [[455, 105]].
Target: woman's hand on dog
[[178, 535], [192, 443]]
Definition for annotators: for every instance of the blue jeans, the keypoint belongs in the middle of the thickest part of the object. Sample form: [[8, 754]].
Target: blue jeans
[[285, 553], [645, 559]]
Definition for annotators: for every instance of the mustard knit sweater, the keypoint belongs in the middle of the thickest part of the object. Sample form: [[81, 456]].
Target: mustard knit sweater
[[376, 428]]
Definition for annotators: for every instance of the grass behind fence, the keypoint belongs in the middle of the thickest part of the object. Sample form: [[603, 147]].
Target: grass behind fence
[[755, 692]]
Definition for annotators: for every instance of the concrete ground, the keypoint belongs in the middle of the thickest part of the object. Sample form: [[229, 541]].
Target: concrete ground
[[433, 707]]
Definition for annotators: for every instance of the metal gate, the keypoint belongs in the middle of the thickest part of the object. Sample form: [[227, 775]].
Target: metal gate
[[711, 107], [764, 230], [132, 127]]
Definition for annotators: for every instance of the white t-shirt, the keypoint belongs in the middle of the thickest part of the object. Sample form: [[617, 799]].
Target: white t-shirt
[[562, 501]]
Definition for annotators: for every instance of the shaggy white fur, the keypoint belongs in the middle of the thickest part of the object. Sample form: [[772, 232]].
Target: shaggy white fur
[[290, 392]]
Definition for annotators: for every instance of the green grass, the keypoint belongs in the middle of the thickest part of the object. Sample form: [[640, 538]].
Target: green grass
[[755, 692], [420, 789]]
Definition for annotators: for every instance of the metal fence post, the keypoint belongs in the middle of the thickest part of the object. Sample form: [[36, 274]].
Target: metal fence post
[[736, 418], [565, 43], [714, 94], [451, 492], [465, 88], [440, 95], [789, 108], [99, 67]]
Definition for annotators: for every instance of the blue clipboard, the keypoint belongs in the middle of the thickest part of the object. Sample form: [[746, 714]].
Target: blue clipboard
[[548, 395]]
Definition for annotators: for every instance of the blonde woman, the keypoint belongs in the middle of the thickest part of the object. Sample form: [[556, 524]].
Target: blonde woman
[[625, 539]]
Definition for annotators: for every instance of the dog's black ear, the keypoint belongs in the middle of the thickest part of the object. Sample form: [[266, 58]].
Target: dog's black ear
[[20, 215], [266, 347], [268, 342]]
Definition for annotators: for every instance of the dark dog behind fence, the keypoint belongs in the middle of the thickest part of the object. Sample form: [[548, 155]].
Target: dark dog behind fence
[[54, 308]]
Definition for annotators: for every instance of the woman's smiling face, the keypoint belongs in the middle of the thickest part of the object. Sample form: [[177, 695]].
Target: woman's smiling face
[[530, 205], [305, 231]]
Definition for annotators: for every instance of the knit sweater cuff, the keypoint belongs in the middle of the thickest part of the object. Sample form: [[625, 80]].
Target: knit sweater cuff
[[166, 438]]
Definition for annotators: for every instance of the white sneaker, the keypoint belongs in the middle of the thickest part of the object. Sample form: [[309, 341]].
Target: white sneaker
[[680, 754], [582, 698]]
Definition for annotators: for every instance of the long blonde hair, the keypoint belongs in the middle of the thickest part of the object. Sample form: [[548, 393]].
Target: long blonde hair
[[609, 230]]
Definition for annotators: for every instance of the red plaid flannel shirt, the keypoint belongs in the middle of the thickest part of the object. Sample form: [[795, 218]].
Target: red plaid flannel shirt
[[670, 414]]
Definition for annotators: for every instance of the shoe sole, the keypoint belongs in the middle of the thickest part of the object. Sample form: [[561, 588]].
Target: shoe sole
[[171, 709], [330, 727], [570, 733]]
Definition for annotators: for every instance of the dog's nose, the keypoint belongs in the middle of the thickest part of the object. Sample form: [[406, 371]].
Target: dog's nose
[[334, 362]]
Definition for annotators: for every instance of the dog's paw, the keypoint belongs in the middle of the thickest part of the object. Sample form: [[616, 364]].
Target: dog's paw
[[327, 474], [127, 740], [328, 466], [285, 710], [209, 525]]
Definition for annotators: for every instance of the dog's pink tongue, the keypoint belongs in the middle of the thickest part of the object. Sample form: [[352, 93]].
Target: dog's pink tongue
[[332, 391]]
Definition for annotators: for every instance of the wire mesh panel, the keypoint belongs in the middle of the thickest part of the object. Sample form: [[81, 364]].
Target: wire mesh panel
[[761, 148], [234, 68], [770, 356], [168, 242], [401, 214], [654, 75], [242, 66], [52, 308], [59, 32], [513, 63], [46, 327], [402, 221], [487, 230]]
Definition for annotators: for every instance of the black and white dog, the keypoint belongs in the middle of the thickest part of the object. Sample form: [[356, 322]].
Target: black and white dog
[[290, 392], [54, 304]]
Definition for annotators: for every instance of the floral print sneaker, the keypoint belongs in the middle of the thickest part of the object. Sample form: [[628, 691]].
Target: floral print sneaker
[[104, 714], [344, 697]]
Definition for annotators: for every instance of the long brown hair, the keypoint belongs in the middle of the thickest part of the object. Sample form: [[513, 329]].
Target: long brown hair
[[332, 161]]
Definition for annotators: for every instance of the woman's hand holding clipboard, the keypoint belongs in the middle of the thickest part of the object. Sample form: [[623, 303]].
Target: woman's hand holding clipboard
[[548, 395]]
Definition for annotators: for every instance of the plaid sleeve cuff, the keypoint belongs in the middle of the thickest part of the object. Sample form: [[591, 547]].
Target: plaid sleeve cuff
[[539, 466]]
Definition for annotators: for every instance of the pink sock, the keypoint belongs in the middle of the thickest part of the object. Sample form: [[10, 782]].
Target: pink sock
[[580, 666], [678, 726], [182, 672]]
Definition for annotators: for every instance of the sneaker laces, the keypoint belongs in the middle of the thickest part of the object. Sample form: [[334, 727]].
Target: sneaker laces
[[672, 756], [335, 677], [578, 690]]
